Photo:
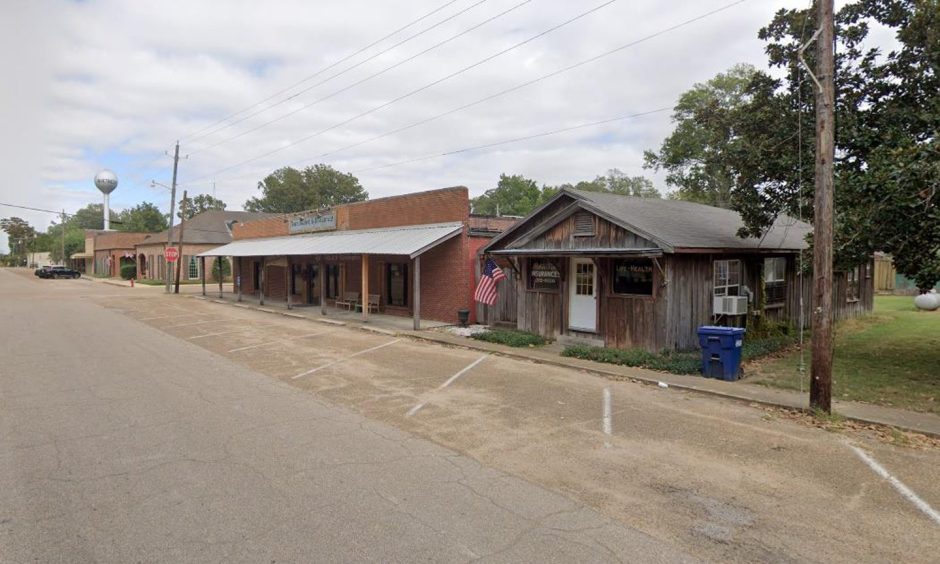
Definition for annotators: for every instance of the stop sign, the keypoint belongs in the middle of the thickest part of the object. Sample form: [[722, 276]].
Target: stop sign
[[172, 254]]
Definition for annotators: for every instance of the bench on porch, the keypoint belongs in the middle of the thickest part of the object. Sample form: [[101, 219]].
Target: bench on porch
[[350, 300], [374, 302]]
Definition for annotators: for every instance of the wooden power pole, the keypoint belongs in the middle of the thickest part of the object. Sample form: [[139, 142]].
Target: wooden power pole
[[179, 261], [820, 390]]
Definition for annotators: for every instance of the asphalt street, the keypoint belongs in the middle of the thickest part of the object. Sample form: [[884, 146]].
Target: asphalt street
[[149, 427], [121, 443]]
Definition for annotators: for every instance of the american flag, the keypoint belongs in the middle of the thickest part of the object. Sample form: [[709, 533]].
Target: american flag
[[486, 290]]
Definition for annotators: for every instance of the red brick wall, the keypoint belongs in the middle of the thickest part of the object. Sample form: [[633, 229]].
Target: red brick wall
[[435, 206], [267, 227], [276, 283], [445, 280]]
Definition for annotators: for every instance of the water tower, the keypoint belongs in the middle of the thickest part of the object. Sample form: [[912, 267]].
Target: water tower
[[106, 181]]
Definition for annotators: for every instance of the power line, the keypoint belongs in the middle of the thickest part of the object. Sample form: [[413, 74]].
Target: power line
[[422, 88], [362, 81], [324, 69], [517, 139]]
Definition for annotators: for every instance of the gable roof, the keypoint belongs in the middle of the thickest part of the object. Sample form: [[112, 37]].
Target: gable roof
[[677, 225], [207, 228]]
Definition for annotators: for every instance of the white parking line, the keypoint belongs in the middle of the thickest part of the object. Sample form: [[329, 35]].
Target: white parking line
[[905, 491], [168, 315], [311, 371], [449, 381], [275, 342], [243, 329], [195, 323], [608, 419]]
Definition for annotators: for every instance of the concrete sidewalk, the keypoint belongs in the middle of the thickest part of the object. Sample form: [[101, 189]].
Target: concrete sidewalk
[[924, 423]]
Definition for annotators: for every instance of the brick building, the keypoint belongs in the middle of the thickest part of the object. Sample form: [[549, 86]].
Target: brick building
[[202, 233], [410, 255], [106, 251]]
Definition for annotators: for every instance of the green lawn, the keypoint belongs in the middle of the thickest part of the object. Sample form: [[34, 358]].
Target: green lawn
[[889, 358]]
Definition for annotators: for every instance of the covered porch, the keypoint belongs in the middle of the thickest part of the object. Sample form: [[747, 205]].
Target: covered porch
[[362, 275]]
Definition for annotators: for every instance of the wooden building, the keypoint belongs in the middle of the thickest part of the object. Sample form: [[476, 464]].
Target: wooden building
[[645, 273]]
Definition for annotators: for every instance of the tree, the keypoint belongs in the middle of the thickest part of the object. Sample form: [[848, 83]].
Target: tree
[[89, 217], [695, 156], [513, 195], [199, 204], [142, 218], [19, 235], [616, 182], [289, 190]]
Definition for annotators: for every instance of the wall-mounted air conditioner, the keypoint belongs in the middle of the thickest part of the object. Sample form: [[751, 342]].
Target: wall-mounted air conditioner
[[730, 305]]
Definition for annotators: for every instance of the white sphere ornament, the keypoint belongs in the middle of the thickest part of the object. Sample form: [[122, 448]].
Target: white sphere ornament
[[106, 181], [927, 302]]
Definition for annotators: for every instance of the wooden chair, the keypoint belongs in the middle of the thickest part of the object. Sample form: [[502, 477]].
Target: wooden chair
[[349, 301], [374, 302]]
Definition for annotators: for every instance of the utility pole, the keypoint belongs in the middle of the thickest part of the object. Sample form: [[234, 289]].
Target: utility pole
[[820, 390], [63, 239], [169, 236], [179, 267]]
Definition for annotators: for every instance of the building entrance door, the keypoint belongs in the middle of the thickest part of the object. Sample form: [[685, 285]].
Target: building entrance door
[[313, 291], [582, 299]]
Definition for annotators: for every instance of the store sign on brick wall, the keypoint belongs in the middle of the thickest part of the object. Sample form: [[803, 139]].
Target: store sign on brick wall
[[313, 222]]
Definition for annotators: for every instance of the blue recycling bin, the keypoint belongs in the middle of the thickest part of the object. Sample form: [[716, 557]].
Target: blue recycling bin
[[721, 351]]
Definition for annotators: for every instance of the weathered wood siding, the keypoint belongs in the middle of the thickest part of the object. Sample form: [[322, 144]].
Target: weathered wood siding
[[632, 321], [505, 310], [689, 299], [541, 312], [606, 235]]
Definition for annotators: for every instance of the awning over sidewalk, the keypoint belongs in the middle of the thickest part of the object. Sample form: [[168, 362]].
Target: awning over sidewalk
[[410, 240]]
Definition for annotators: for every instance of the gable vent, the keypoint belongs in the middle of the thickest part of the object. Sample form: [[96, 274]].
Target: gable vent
[[583, 224]]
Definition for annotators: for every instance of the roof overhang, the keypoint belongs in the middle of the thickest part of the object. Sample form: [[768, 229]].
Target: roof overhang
[[598, 252], [410, 241]]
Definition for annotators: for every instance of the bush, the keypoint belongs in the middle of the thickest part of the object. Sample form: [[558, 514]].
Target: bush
[[666, 361], [128, 271], [510, 337], [226, 268]]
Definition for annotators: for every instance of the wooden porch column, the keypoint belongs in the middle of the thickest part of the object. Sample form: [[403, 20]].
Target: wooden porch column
[[202, 268], [416, 292], [238, 277], [365, 288], [287, 284], [261, 283], [321, 274]]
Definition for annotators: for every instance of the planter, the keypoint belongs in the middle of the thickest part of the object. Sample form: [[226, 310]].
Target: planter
[[463, 317]]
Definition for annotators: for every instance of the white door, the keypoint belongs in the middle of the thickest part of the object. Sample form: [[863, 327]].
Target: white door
[[582, 299]]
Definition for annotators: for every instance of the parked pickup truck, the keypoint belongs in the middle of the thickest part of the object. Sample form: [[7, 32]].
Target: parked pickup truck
[[58, 272]]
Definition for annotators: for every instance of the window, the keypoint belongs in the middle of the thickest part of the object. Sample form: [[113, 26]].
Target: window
[[297, 271], [583, 224], [543, 275], [775, 280], [851, 286], [727, 277], [396, 284], [633, 276], [584, 279], [193, 268], [332, 281]]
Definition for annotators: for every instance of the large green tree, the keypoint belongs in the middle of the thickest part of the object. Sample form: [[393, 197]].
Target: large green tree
[[513, 195], [142, 218], [289, 190], [90, 217], [199, 204], [20, 234], [695, 156]]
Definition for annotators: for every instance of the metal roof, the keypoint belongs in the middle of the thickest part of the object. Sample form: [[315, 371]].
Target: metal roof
[[410, 240]]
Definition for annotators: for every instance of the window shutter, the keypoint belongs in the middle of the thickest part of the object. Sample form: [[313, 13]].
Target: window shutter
[[583, 224]]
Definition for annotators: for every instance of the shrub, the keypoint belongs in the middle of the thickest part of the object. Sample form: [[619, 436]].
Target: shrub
[[666, 361], [510, 337], [226, 268], [128, 271]]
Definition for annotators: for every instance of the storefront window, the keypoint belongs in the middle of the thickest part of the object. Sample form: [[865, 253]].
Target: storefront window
[[544, 275], [633, 276], [332, 281], [396, 277]]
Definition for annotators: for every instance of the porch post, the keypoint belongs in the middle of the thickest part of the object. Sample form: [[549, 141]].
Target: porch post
[[202, 268], [238, 277], [261, 283], [287, 284], [321, 274], [416, 292], [365, 288]]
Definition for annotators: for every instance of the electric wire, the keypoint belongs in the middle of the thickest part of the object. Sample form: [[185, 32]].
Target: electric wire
[[321, 71], [420, 89], [359, 82]]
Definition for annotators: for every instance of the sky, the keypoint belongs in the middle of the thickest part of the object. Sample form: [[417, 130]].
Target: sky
[[114, 84]]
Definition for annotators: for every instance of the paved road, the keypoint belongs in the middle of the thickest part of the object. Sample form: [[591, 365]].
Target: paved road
[[718, 480], [121, 443]]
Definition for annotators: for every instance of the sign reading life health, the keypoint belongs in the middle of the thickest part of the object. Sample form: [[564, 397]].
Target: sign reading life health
[[314, 222]]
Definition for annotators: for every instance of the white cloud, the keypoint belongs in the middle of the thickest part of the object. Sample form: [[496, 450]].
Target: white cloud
[[112, 83]]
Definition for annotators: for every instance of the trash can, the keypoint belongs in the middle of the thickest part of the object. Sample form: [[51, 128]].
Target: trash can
[[721, 351]]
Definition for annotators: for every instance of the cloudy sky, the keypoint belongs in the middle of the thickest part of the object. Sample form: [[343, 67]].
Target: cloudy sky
[[114, 83]]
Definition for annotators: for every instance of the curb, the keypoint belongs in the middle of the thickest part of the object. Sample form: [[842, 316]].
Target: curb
[[595, 370]]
